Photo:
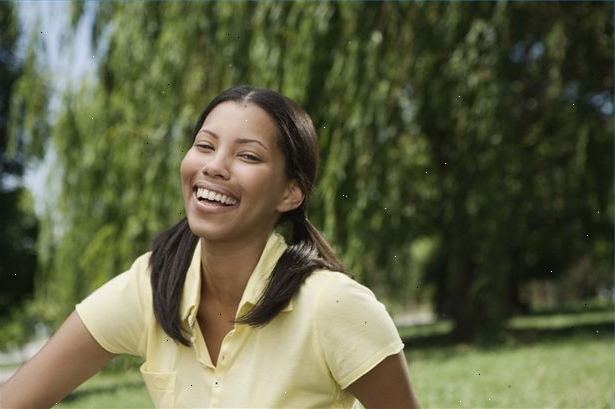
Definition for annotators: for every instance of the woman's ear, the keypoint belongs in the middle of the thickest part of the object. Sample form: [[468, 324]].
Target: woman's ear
[[292, 198]]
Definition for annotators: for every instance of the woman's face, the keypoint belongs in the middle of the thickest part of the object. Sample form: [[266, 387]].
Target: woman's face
[[233, 178]]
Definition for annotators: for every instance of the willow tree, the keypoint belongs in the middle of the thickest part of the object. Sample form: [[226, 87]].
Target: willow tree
[[18, 225], [120, 140], [519, 150], [441, 154]]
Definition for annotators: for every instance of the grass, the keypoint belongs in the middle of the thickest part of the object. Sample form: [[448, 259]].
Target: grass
[[572, 373], [562, 320], [550, 360]]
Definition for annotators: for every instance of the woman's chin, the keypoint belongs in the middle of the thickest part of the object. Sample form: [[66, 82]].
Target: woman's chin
[[209, 233]]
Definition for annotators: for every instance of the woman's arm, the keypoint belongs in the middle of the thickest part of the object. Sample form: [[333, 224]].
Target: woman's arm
[[69, 358], [387, 385]]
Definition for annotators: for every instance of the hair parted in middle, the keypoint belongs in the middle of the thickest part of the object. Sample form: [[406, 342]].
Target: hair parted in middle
[[308, 250]]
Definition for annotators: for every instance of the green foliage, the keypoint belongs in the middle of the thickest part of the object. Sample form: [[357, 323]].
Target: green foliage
[[522, 182], [28, 120], [18, 226], [17, 249], [453, 159]]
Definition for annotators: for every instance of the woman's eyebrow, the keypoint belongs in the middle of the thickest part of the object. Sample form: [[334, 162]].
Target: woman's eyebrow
[[239, 140], [245, 140], [209, 132]]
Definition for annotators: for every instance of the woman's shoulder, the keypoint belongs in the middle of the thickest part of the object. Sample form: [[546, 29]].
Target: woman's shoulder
[[138, 273], [140, 267], [141, 263], [118, 313], [353, 328], [132, 284], [333, 286], [321, 278], [134, 280]]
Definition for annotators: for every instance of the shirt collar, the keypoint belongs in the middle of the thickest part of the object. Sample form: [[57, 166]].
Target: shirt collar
[[257, 282]]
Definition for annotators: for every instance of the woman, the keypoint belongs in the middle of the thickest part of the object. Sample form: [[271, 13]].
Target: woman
[[224, 312]]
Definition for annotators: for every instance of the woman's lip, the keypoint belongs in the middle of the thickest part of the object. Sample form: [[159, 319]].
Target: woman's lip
[[214, 188], [208, 207]]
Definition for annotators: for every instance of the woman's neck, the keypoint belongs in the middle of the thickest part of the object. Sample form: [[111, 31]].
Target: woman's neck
[[226, 268]]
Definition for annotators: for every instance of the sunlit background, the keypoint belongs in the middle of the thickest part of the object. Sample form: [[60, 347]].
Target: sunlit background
[[466, 171]]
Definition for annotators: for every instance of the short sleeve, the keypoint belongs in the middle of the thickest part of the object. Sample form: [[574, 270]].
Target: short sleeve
[[115, 314], [354, 330]]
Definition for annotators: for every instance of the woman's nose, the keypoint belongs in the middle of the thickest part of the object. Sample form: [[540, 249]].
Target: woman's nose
[[216, 166]]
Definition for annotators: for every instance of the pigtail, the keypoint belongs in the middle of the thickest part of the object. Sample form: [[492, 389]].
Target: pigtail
[[325, 251], [172, 252], [308, 250]]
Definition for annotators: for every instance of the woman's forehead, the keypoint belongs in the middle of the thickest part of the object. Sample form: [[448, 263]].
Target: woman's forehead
[[240, 120]]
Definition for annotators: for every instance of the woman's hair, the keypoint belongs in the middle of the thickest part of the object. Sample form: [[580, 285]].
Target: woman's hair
[[172, 250]]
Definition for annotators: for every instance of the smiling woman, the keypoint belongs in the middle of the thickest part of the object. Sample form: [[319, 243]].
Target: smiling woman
[[235, 156], [224, 310]]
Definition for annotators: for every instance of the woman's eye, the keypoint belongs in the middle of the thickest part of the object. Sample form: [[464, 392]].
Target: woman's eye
[[250, 157], [204, 146]]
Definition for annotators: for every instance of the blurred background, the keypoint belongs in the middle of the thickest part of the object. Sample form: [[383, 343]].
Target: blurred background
[[466, 170]]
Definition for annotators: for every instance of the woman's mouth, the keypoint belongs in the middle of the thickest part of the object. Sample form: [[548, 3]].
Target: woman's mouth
[[213, 198]]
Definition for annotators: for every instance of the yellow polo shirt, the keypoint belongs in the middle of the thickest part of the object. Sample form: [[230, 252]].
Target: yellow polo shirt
[[333, 332]]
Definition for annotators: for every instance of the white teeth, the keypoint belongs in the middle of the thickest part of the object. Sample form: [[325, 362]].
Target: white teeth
[[202, 193]]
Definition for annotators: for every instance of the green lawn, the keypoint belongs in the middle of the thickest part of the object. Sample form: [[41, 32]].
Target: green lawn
[[573, 373], [549, 361]]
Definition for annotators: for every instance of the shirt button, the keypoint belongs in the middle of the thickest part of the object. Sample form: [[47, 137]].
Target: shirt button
[[217, 383]]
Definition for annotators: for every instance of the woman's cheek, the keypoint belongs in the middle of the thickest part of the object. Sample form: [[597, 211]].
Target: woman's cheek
[[187, 164]]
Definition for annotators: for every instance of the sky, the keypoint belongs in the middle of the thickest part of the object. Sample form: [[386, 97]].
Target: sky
[[67, 55], [68, 58]]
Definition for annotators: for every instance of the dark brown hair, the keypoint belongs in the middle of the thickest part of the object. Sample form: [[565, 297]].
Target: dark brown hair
[[172, 250]]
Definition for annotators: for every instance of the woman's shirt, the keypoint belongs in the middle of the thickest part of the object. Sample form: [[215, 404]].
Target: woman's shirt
[[331, 333]]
